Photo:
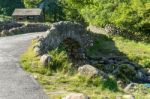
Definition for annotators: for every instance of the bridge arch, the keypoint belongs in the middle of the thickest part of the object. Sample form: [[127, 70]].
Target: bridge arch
[[63, 30]]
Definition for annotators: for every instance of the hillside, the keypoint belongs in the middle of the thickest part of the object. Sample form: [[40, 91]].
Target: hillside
[[121, 61], [89, 49]]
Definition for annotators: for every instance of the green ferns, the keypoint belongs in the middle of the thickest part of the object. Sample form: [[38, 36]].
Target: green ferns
[[60, 61]]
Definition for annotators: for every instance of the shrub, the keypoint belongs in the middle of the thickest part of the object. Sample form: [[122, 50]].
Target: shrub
[[60, 61]]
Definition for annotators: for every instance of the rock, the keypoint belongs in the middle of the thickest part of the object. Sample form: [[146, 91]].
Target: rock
[[45, 59], [120, 83], [110, 28], [88, 70], [127, 70], [76, 96], [128, 97], [140, 75], [128, 87], [37, 51]]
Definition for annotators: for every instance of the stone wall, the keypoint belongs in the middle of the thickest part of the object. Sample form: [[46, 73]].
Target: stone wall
[[63, 30], [13, 29], [6, 25], [112, 29]]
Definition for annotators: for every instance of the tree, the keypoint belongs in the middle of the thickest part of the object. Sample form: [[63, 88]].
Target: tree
[[8, 6], [32, 3]]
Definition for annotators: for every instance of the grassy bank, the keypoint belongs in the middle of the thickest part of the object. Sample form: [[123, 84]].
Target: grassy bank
[[60, 78]]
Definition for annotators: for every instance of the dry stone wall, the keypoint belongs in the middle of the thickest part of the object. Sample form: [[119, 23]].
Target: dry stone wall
[[14, 28], [9, 25]]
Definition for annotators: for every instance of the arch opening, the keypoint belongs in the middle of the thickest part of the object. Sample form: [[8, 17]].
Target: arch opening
[[72, 47]]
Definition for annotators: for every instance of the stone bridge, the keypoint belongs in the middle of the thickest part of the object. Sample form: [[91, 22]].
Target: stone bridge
[[63, 30]]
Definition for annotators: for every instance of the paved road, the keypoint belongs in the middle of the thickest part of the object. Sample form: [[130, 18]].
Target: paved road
[[14, 82]]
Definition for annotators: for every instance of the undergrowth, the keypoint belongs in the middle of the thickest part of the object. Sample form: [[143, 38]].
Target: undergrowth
[[62, 76]]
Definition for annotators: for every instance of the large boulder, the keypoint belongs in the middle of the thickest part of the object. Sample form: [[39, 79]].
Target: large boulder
[[45, 59], [88, 70], [76, 96]]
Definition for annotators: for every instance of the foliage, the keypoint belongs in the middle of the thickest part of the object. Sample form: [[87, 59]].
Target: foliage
[[7, 6], [131, 15], [137, 52], [54, 11], [60, 61], [32, 3], [31, 63]]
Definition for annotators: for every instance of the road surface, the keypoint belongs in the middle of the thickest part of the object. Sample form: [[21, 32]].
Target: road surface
[[15, 83]]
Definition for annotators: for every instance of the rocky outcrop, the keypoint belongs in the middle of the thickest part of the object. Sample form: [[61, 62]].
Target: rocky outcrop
[[121, 68]]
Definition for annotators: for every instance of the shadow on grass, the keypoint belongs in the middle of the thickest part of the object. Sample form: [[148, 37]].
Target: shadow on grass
[[136, 36], [106, 56]]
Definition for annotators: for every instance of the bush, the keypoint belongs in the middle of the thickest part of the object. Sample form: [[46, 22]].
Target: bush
[[60, 61], [129, 15]]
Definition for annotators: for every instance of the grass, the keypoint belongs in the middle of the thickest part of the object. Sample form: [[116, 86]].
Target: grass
[[56, 78], [60, 78], [95, 88], [136, 51]]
